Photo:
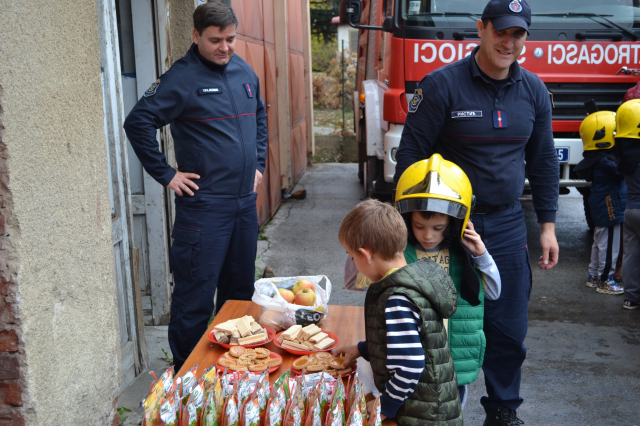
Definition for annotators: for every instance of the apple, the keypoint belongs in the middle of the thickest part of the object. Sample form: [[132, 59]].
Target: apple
[[302, 284], [305, 297], [286, 294]]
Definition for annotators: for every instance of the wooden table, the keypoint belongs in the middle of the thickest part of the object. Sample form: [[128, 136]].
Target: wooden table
[[346, 321]]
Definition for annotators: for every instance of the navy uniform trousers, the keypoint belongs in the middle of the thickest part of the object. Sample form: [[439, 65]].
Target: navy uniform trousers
[[214, 246], [505, 320]]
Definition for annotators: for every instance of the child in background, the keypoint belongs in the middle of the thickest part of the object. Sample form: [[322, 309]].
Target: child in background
[[607, 199], [406, 342], [436, 236], [628, 148]]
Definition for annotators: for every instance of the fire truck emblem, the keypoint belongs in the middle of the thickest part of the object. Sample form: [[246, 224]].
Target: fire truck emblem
[[417, 98], [515, 6]]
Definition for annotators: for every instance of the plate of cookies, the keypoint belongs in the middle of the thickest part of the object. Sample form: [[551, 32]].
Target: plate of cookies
[[322, 361], [298, 340], [249, 359]]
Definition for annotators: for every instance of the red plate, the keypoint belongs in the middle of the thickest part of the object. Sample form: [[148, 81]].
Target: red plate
[[353, 370], [271, 333], [271, 370], [334, 336]]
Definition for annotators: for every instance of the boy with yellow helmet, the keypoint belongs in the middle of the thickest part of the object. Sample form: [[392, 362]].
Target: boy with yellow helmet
[[628, 148], [435, 199], [606, 201]]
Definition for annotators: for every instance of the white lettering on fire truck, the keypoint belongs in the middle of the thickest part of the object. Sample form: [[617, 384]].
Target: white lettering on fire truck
[[572, 54]]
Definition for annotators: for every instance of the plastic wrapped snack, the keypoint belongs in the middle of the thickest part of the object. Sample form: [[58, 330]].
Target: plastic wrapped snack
[[168, 415], [261, 393], [355, 418], [336, 415], [152, 403], [244, 389], [375, 418], [189, 381], [314, 411], [210, 412], [230, 416], [280, 314], [209, 377], [324, 397], [293, 417], [251, 413]]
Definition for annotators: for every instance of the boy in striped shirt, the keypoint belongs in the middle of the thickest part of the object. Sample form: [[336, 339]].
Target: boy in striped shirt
[[405, 305]]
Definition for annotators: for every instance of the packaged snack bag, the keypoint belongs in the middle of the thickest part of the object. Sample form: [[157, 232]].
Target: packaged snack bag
[[338, 395], [283, 381], [274, 413], [251, 413], [189, 381], [152, 403], [197, 397], [300, 398], [167, 380], [226, 383], [192, 411], [210, 374], [324, 396], [261, 392], [375, 419], [168, 415], [218, 399], [210, 412], [293, 417], [313, 410], [244, 389], [230, 416], [355, 419], [336, 415]]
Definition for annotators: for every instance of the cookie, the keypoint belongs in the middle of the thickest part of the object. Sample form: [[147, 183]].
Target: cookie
[[336, 363], [314, 368], [301, 362], [322, 355], [226, 362], [262, 353], [236, 351], [274, 362], [258, 367]]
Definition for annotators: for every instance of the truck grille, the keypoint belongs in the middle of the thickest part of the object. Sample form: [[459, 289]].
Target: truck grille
[[569, 98]]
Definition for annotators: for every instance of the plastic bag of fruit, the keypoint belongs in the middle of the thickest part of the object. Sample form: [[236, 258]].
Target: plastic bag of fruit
[[289, 301]]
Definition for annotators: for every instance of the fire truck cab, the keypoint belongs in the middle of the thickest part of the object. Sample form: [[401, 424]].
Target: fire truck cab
[[581, 49]]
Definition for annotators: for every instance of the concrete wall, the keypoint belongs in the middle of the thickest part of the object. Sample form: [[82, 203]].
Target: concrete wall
[[180, 26], [60, 222]]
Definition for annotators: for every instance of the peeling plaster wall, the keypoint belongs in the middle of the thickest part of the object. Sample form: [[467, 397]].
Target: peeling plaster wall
[[57, 172], [180, 26]]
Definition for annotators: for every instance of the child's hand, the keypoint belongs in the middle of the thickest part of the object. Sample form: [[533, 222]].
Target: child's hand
[[472, 241], [370, 409], [350, 353]]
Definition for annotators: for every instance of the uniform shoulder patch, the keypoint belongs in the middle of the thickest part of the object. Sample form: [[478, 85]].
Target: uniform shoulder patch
[[153, 89], [415, 102]]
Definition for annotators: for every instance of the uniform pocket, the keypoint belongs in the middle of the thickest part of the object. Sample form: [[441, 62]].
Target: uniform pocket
[[181, 255]]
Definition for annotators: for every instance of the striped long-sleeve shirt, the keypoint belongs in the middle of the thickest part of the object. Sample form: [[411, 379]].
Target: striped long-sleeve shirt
[[405, 356]]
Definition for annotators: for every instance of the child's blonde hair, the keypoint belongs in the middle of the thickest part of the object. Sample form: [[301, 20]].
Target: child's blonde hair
[[374, 226]]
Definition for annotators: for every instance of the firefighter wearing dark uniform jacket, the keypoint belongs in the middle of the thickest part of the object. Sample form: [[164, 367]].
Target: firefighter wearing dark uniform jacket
[[489, 116], [212, 100]]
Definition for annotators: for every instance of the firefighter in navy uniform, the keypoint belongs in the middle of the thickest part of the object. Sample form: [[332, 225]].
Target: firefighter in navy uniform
[[212, 100], [489, 116]]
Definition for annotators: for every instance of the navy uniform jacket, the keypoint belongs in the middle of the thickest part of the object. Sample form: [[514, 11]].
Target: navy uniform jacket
[[218, 123], [456, 119]]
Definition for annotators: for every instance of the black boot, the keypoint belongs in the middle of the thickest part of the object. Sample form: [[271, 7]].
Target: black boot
[[502, 417]]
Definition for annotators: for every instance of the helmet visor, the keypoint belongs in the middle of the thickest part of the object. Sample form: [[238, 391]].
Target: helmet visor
[[437, 205]]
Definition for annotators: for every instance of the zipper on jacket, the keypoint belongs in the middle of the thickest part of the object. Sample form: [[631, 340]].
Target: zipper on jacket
[[200, 163], [235, 110]]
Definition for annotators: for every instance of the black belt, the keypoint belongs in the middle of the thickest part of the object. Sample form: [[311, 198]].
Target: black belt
[[486, 209]]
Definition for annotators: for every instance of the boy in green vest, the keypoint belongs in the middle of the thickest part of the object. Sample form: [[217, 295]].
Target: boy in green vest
[[406, 342], [434, 235]]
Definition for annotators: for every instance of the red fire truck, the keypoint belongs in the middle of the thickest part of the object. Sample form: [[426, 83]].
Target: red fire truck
[[581, 49]]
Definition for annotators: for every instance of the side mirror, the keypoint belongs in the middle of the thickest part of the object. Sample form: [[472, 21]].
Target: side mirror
[[350, 11], [387, 24]]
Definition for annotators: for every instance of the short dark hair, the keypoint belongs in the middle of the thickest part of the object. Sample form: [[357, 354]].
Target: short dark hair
[[213, 14]]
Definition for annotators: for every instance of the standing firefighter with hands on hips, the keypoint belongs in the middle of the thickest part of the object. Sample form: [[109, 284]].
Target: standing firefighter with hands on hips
[[489, 116], [211, 98]]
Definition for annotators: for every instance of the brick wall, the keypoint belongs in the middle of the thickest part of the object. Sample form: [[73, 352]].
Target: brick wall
[[11, 350]]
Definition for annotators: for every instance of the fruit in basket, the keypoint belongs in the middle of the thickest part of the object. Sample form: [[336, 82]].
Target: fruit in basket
[[305, 297], [287, 295], [302, 284]]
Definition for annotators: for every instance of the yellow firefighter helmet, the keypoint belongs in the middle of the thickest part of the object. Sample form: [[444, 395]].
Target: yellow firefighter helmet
[[597, 130], [628, 120], [436, 185]]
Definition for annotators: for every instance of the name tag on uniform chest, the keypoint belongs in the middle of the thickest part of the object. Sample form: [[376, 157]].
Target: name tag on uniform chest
[[466, 114], [209, 90]]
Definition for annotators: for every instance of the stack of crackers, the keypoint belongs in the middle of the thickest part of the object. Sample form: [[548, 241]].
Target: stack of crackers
[[240, 331], [322, 361], [247, 359], [309, 338]]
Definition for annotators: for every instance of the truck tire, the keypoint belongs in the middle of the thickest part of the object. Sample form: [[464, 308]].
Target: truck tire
[[586, 192]]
